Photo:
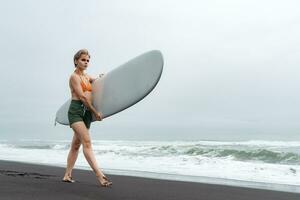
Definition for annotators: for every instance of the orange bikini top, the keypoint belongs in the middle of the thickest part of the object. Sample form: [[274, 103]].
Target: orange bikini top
[[85, 84]]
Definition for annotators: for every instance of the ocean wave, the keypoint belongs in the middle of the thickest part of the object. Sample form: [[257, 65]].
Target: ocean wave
[[264, 161], [263, 155], [260, 154], [278, 152], [40, 146], [244, 153], [254, 143]]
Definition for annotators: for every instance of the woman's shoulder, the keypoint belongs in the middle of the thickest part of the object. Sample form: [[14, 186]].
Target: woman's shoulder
[[74, 76]]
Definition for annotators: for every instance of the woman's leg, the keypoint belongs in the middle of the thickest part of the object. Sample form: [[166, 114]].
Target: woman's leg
[[72, 157], [83, 134]]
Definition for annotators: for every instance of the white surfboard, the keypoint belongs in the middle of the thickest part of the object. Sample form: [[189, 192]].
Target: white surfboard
[[122, 87]]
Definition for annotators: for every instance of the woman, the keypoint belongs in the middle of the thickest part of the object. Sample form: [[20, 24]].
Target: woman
[[80, 118]]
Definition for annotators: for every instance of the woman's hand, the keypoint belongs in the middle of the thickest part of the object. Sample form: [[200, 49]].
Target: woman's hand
[[98, 116]]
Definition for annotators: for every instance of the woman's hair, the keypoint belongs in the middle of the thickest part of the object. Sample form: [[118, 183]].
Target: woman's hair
[[79, 53]]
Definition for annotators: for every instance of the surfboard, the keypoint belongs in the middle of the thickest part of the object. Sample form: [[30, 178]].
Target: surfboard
[[122, 87]]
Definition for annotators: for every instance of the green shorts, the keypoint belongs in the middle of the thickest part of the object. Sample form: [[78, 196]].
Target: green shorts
[[78, 112]]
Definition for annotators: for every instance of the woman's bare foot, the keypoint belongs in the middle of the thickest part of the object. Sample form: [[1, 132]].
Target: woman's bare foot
[[103, 180], [68, 179]]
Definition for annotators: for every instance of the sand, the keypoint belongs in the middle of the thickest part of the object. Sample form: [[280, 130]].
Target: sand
[[30, 181]]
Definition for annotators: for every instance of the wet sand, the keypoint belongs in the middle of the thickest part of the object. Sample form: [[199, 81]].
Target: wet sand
[[30, 181]]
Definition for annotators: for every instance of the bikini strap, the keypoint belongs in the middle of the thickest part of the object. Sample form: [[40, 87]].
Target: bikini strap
[[83, 80]]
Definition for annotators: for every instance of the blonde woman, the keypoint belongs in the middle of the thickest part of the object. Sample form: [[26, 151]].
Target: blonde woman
[[80, 118]]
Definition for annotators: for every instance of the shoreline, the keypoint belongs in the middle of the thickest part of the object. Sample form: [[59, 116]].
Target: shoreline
[[185, 178], [23, 180]]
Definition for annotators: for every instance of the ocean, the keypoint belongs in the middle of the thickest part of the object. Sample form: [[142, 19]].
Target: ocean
[[258, 164]]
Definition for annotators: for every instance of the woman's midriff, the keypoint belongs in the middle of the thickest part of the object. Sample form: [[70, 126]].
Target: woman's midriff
[[87, 94]]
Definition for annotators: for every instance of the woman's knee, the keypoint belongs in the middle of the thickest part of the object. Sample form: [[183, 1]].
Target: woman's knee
[[87, 143], [82, 133], [76, 146]]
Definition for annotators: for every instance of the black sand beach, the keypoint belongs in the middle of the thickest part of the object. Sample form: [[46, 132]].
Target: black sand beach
[[28, 181]]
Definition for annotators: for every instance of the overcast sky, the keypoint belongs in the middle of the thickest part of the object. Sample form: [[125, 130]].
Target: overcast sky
[[231, 67]]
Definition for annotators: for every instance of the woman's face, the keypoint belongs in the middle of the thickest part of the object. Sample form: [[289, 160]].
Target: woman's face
[[83, 62]]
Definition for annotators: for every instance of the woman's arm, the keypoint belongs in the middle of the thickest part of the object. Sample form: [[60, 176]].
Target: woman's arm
[[75, 84], [92, 79]]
